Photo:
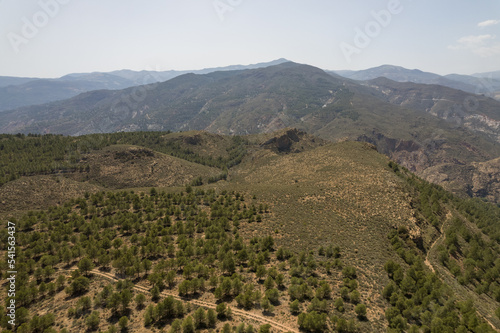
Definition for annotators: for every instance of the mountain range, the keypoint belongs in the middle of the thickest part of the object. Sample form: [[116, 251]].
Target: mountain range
[[17, 92], [281, 198], [20, 91], [443, 134], [487, 83]]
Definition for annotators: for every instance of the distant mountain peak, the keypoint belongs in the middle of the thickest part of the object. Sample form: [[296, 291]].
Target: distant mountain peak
[[18, 92], [474, 84]]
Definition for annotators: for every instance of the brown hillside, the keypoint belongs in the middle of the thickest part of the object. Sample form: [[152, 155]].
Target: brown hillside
[[37, 192], [124, 166]]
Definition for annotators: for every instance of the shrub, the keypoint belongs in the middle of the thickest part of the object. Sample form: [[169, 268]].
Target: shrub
[[360, 310]]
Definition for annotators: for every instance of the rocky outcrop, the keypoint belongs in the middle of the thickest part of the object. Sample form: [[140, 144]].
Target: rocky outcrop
[[193, 140], [291, 141], [431, 161]]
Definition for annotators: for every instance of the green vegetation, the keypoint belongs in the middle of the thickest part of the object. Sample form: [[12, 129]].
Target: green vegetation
[[418, 297], [275, 244], [186, 241], [26, 155], [421, 300]]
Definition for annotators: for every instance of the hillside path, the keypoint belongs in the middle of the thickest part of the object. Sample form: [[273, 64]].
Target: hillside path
[[261, 319], [427, 262]]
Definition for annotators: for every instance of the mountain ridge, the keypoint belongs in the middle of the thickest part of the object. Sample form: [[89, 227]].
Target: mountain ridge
[[18, 92], [420, 126], [336, 224], [482, 83]]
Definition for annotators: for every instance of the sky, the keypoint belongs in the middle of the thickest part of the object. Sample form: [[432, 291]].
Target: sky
[[51, 38]]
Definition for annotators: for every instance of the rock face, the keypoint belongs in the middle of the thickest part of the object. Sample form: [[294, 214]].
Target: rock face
[[283, 143], [291, 141], [476, 179], [430, 160]]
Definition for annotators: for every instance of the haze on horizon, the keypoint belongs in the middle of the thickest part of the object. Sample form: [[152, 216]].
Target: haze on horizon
[[51, 38]]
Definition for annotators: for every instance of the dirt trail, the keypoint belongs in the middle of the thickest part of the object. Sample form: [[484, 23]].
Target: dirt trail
[[445, 277], [204, 304], [427, 261]]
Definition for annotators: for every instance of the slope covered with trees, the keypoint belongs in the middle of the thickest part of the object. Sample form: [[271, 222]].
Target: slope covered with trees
[[299, 235], [187, 244], [27, 155]]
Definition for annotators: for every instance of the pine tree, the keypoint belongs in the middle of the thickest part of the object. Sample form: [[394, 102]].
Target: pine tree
[[85, 265], [139, 300], [123, 323], [188, 325], [199, 318], [360, 310], [92, 321], [211, 318]]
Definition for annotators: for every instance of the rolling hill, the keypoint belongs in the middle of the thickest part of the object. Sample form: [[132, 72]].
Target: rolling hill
[[302, 235]]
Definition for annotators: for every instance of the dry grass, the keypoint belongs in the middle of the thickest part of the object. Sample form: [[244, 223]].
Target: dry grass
[[37, 192], [342, 194], [124, 166]]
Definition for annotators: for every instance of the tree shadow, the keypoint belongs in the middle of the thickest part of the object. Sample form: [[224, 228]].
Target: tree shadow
[[268, 313], [105, 269]]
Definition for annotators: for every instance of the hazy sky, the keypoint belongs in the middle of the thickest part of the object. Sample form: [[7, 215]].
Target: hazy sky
[[50, 38]]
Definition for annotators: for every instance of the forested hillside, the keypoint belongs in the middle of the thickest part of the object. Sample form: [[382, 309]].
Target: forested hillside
[[277, 233]]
